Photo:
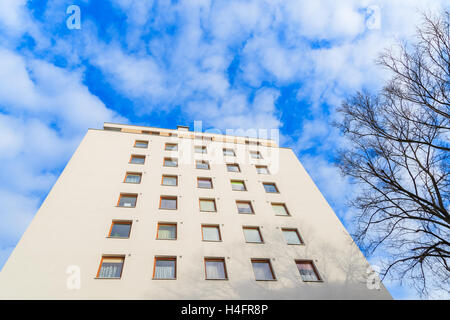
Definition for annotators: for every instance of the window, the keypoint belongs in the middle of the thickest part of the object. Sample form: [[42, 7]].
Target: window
[[280, 209], [110, 267], [262, 170], [205, 183], [127, 200], [169, 180], [255, 155], [132, 177], [165, 268], [292, 236], [135, 159], [208, 205], [244, 207], [169, 162], [307, 270], [140, 144], [200, 149], [215, 269], [169, 203], [120, 229], [262, 269], [229, 152], [211, 233], [167, 231], [252, 234], [202, 165], [171, 147], [233, 167], [238, 185], [270, 187]]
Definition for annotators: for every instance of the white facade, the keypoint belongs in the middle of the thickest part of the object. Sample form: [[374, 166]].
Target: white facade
[[69, 234]]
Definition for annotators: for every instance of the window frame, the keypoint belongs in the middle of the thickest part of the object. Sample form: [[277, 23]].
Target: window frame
[[298, 235], [259, 155], [135, 174], [170, 144], [262, 166], [246, 202], [165, 258], [212, 226], [166, 224], [253, 228], [204, 150], [169, 176], [207, 199], [113, 222], [127, 195], [205, 178], [316, 271], [170, 159], [168, 198], [228, 155], [214, 259], [140, 141], [264, 260], [273, 184], [101, 263], [203, 162], [140, 156], [285, 208], [234, 164], [235, 180]]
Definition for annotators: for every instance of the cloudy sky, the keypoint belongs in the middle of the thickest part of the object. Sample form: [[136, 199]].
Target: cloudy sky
[[232, 64]]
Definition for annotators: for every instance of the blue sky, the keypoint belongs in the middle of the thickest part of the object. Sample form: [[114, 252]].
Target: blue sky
[[231, 64]]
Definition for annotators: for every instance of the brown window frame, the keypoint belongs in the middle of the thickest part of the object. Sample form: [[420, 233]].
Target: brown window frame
[[168, 198], [137, 156], [262, 166], [228, 149], [236, 180], [205, 178], [213, 259], [285, 208], [202, 161], [316, 271], [211, 226], [129, 222], [167, 224], [133, 173], [298, 235], [246, 202], [169, 176], [101, 263], [271, 183], [137, 141], [170, 144], [267, 260], [253, 228], [207, 199], [234, 164], [168, 158], [203, 148], [256, 152], [170, 258], [127, 195]]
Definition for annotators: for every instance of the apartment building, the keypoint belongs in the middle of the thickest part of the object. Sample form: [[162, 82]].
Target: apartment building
[[149, 213]]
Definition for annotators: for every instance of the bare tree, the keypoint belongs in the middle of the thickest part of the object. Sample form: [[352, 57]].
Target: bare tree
[[399, 155]]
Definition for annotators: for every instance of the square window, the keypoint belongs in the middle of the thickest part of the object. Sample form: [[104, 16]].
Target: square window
[[127, 200], [292, 236], [133, 177], [110, 267], [169, 203], [262, 170], [229, 152], [307, 270], [238, 185], [205, 183], [255, 155], [270, 187], [167, 231], [200, 149], [120, 229], [169, 180], [262, 269], [244, 207], [202, 165], [280, 209], [135, 159], [141, 144], [252, 234], [170, 162], [165, 268], [233, 167], [208, 205], [171, 147], [211, 233], [215, 269]]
